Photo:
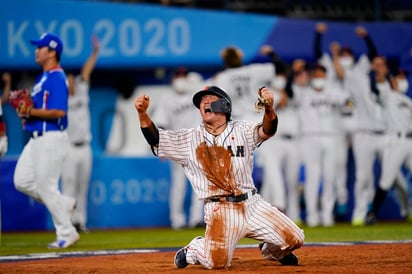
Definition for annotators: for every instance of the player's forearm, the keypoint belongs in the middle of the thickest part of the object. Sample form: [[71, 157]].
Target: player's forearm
[[372, 51], [144, 119], [270, 122], [151, 134], [89, 66], [47, 113], [317, 45]]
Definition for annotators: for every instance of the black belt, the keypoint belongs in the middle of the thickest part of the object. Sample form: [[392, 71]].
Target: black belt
[[232, 198], [378, 132], [79, 144]]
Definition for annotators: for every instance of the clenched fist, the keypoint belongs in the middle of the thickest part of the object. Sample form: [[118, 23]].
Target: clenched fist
[[142, 103]]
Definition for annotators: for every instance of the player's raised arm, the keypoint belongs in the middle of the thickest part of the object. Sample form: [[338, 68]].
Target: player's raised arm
[[149, 129], [372, 50], [6, 78], [270, 119], [90, 63]]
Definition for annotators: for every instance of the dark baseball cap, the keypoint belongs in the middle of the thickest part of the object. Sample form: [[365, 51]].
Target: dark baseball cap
[[49, 40], [210, 90]]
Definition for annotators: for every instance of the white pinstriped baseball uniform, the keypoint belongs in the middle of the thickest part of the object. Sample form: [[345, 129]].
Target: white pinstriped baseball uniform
[[318, 114], [397, 109], [228, 222], [78, 163], [346, 122], [368, 140]]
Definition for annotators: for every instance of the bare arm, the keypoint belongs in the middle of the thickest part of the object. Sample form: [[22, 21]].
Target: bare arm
[[372, 50], [47, 113], [6, 77], [90, 63]]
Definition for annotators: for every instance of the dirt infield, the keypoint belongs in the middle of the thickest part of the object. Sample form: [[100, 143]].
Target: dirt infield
[[359, 258]]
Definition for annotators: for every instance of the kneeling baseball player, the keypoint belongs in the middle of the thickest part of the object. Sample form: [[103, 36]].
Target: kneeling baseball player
[[217, 157]]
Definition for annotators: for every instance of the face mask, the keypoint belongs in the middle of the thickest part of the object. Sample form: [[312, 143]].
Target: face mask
[[180, 85], [346, 62], [403, 85], [318, 83], [279, 82]]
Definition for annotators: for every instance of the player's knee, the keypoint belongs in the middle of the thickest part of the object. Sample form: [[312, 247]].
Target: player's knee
[[296, 241], [300, 238], [219, 260]]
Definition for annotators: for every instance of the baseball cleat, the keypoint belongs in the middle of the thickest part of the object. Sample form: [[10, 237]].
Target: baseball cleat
[[180, 258], [370, 219], [64, 243], [358, 222], [289, 259], [81, 228]]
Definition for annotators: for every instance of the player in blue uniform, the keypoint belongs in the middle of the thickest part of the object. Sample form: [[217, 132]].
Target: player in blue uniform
[[39, 166]]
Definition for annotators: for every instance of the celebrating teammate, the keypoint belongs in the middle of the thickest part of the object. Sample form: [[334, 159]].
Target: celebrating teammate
[[340, 64], [318, 113], [78, 164], [44, 114], [217, 157], [397, 109]]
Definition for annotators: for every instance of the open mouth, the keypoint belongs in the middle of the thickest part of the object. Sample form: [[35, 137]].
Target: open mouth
[[208, 110]]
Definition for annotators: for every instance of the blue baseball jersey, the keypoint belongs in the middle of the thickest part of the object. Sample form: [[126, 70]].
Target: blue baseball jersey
[[49, 92]]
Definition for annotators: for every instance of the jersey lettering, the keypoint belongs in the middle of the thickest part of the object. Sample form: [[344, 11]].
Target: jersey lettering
[[241, 85], [240, 151]]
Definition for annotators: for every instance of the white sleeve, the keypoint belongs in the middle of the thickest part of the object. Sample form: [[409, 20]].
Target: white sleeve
[[175, 144], [327, 62], [363, 65]]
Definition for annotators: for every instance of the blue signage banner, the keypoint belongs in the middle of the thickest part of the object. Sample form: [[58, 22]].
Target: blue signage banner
[[131, 35], [123, 192], [129, 192]]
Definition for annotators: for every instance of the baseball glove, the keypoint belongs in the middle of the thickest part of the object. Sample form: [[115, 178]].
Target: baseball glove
[[217, 167], [21, 101]]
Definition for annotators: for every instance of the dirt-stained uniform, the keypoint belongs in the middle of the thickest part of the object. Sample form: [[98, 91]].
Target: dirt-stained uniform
[[233, 212]]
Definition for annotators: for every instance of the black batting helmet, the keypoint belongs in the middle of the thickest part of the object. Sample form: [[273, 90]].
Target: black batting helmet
[[222, 105]]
